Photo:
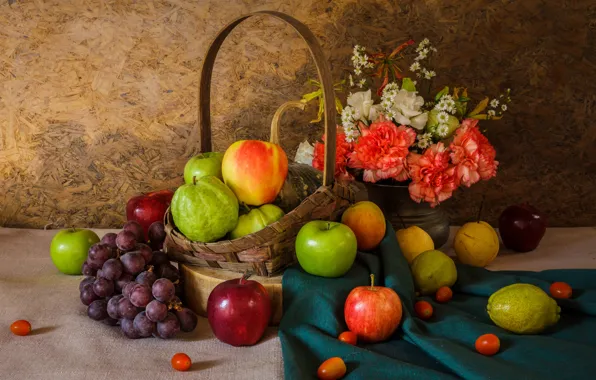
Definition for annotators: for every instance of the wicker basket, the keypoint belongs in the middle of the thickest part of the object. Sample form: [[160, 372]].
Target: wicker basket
[[269, 251]]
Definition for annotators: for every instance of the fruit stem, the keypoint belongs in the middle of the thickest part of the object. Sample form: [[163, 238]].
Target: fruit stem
[[481, 207], [372, 281], [150, 268], [73, 229], [194, 179], [328, 226], [244, 277]]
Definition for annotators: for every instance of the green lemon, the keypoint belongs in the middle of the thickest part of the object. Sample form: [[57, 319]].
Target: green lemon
[[432, 270], [523, 309]]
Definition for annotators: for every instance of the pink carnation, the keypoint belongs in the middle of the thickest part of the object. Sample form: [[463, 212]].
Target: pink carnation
[[381, 151], [433, 178], [472, 154]]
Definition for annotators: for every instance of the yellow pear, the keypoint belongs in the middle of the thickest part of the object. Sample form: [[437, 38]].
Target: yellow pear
[[413, 241], [476, 244]]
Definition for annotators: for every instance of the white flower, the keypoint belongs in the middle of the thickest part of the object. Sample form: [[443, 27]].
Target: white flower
[[424, 140], [392, 86], [504, 107], [429, 74], [351, 80], [362, 83], [406, 109], [494, 103], [304, 154], [425, 42], [491, 113], [362, 104], [415, 66], [422, 54], [357, 71], [442, 130], [442, 117], [351, 132]]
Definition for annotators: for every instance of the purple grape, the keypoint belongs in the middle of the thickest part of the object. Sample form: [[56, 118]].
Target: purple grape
[[109, 239], [144, 326], [147, 278], [128, 328], [86, 280], [133, 263], [169, 327], [113, 307], [157, 235], [112, 269], [188, 319], [127, 289], [163, 290], [99, 253], [103, 287], [168, 271], [159, 258], [89, 270], [122, 281], [140, 295], [88, 295], [156, 311], [136, 229], [126, 241], [145, 251], [98, 310], [110, 321], [126, 309], [99, 273]]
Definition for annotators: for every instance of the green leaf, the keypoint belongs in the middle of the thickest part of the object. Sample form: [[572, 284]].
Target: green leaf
[[444, 91], [480, 107], [463, 99], [313, 95], [408, 85], [338, 105]]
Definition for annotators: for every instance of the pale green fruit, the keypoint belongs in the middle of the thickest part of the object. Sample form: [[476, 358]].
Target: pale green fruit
[[433, 122], [205, 211], [201, 165], [432, 270], [523, 309], [256, 220]]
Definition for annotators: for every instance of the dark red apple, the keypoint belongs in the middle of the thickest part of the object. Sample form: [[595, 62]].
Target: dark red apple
[[522, 227], [238, 311], [148, 208], [373, 313]]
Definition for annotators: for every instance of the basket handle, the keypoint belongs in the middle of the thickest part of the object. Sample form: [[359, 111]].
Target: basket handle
[[275, 122], [322, 69]]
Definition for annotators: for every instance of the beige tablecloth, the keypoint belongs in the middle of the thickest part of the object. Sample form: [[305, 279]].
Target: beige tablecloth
[[65, 344]]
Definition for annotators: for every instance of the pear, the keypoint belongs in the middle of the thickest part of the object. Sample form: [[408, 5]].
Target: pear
[[413, 241]]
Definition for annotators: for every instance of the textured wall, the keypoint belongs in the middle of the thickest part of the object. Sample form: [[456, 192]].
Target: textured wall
[[98, 98]]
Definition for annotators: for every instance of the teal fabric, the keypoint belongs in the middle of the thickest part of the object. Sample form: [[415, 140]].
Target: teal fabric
[[443, 347]]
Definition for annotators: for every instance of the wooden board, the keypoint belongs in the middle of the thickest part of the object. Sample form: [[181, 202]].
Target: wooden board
[[200, 281]]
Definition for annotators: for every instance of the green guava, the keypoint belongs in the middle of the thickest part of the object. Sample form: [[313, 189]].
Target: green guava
[[205, 211]]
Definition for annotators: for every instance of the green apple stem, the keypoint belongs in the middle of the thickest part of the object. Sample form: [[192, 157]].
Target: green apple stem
[[73, 229], [194, 179], [480, 209], [372, 281]]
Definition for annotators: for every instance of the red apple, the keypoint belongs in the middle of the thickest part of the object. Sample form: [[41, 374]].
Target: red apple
[[238, 311], [373, 312], [148, 208], [522, 227]]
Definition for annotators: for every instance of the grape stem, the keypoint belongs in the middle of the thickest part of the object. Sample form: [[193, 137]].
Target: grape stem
[[150, 268]]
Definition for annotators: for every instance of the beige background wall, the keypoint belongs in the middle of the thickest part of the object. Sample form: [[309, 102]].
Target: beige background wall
[[98, 98]]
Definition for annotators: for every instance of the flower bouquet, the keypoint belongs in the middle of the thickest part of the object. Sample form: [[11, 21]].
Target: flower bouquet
[[429, 141]]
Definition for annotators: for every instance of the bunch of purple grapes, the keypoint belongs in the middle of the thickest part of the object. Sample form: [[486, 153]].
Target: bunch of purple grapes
[[132, 283]]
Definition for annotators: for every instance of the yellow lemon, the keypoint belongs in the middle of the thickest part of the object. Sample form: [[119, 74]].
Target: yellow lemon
[[476, 244], [413, 241], [432, 270]]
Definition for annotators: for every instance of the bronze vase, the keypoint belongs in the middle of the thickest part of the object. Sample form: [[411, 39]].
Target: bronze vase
[[400, 209]]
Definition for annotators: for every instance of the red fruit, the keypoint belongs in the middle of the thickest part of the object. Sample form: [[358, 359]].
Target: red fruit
[[348, 337], [20, 327], [561, 290], [488, 344], [181, 362], [239, 311], [148, 208], [424, 310], [522, 227], [332, 369], [373, 312], [444, 294]]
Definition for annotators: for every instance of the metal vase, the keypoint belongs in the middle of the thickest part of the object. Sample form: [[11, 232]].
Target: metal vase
[[400, 209]]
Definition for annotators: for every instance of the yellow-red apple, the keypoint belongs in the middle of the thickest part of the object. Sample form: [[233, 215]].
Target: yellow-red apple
[[255, 171]]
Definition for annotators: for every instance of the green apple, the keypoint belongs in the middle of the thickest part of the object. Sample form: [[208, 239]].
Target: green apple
[[69, 249], [256, 220], [326, 249], [202, 165]]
